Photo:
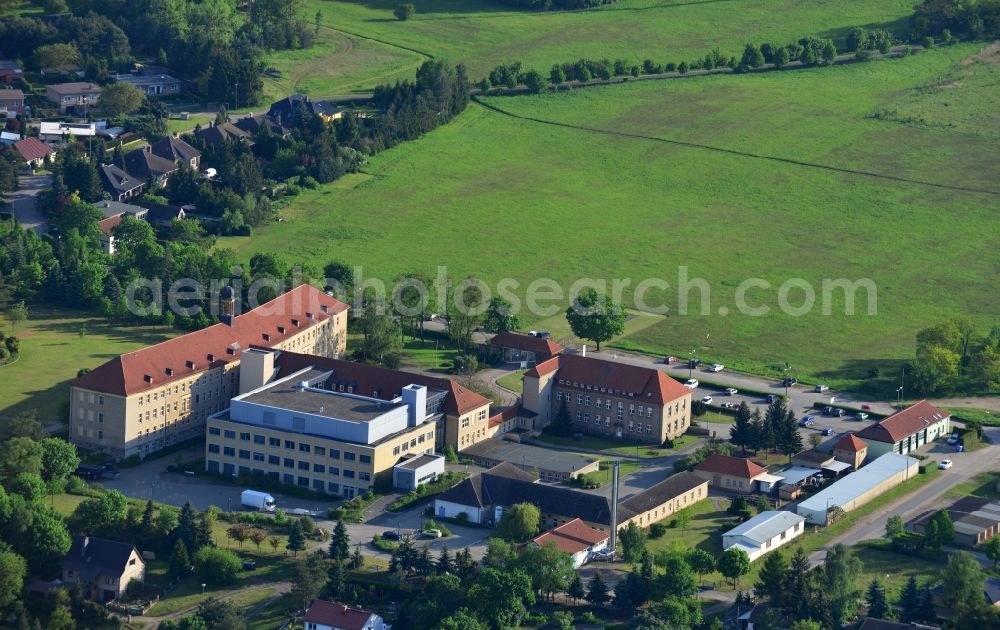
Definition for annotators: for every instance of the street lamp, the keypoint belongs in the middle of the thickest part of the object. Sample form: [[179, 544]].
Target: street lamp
[[691, 363], [899, 398], [203, 588], [788, 367]]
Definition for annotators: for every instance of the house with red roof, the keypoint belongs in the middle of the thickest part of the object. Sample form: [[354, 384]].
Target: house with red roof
[[906, 430], [526, 350], [577, 539], [324, 615], [142, 401], [607, 398], [34, 152], [851, 449], [726, 472]]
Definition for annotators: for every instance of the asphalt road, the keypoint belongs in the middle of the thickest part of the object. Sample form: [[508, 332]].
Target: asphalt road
[[23, 202]]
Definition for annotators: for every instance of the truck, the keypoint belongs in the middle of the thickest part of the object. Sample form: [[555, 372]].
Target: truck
[[257, 500]]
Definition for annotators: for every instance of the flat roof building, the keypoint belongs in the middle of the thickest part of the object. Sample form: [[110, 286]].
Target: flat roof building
[[976, 520], [860, 487], [551, 465]]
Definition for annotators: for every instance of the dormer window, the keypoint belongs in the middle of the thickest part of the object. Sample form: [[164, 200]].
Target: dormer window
[[189, 364], [309, 315], [147, 378], [324, 308], [266, 336], [281, 330], [295, 323], [211, 357], [169, 371]]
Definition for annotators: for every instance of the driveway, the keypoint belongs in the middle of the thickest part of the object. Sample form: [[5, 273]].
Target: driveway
[[23, 202]]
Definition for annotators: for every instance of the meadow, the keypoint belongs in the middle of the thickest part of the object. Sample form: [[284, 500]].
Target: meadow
[[483, 34], [731, 177], [55, 344]]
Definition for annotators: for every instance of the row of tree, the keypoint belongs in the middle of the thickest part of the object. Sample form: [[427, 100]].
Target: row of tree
[[948, 18], [777, 429]]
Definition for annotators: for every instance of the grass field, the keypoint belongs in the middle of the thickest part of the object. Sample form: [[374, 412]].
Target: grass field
[[499, 197], [986, 416], [483, 34], [55, 343]]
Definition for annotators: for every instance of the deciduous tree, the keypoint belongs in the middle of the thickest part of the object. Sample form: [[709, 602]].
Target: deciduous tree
[[595, 318]]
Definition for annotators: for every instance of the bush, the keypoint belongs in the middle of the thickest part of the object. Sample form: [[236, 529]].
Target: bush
[[657, 530], [292, 190], [698, 408], [216, 566], [668, 443], [464, 364], [404, 11], [432, 524], [308, 182], [388, 546], [927, 42]]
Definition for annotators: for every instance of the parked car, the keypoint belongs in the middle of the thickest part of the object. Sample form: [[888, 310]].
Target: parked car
[[944, 464], [833, 411], [861, 415], [791, 380], [670, 360], [866, 407], [707, 400], [822, 388], [732, 391], [392, 535], [808, 421], [771, 398], [249, 565], [953, 439], [691, 383], [432, 533], [730, 405], [693, 363], [827, 432], [716, 367]]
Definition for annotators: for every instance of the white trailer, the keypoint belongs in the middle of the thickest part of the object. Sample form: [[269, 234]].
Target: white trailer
[[257, 500]]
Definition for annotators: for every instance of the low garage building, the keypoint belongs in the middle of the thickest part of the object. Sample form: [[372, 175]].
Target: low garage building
[[860, 487], [550, 465], [976, 520], [577, 539], [765, 532], [416, 470]]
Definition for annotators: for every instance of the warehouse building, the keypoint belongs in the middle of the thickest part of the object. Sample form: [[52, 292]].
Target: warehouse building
[[858, 488], [765, 532]]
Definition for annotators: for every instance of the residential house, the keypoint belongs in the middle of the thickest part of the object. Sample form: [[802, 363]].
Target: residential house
[[730, 473], [104, 568], [483, 497], [975, 519], [107, 227], [324, 615], [764, 532], [73, 98], [253, 124], [285, 111], [852, 450], [10, 71], [218, 134], [145, 165], [174, 149], [575, 538], [119, 184], [526, 350], [12, 101], [55, 133], [162, 215], [117, 209], [152, 84], [34, 152], [907, 430], [608, 398], [148, 399]]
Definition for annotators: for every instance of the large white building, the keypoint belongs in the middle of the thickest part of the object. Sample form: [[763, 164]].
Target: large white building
[[765, 532], [858, 488]]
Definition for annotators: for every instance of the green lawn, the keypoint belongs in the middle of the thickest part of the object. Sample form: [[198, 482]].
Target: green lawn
[[893, 569], [701, 532], [483, 34], [513, 381], [55, 343], [610, 446], [987, 416], [602, 477], [184, 126], [643, 208], [983, 486]]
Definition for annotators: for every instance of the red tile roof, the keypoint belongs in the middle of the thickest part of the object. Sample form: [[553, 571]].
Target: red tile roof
[[573, 537], [33, 149], [503, 416], [379, 382], [904, 423], [109, 224], [732, 466], [850, 442], [195, 352], [519, 341], [11, 95], [337, 615], [621, 379]]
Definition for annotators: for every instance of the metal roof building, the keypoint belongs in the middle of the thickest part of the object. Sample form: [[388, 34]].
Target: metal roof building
[[765, 532], [858, 488]]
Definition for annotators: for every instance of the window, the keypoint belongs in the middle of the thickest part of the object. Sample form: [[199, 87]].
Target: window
[[303, 481], [586, 400], [320, 450], [274, 441], [258, 457], [303, 465], [304, 448], [579, 416], [319, 468], [258, 439], [244, 437], [597, 403], [290, 445], [348, 456], [334, 471], [213, 448], [395, 450], [100, 435], [348, 474], [586, 418], [367, 459], [631, 409], [230, 435], [334, 453], [288, 462], [244, 454], [100, 417], [274, 460], [363, 476], [579, 399], [465, 423], [229, 451], [607, 404]]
